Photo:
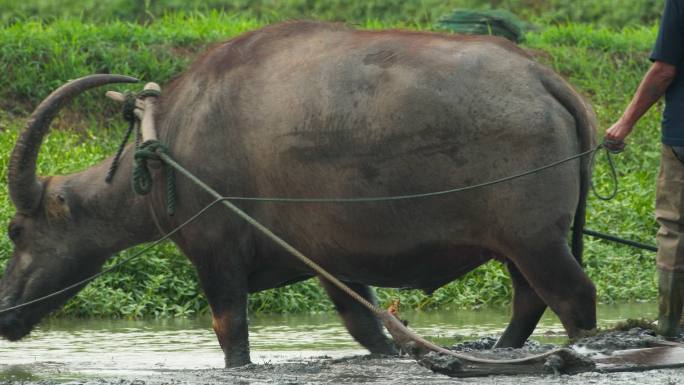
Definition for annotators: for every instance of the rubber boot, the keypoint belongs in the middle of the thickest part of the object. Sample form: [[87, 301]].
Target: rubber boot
[[670, 295]]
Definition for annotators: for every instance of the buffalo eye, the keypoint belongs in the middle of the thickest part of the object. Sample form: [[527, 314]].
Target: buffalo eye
[[14, 232]]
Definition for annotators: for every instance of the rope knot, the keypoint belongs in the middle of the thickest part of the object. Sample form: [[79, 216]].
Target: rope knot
[[129, 107], [142, 179]]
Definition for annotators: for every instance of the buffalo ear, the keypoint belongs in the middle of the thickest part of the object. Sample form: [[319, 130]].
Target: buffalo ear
[[56, 206]]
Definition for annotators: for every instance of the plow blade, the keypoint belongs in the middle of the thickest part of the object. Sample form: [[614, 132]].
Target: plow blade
[[659, 357]]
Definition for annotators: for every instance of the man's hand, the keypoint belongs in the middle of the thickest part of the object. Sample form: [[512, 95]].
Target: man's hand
[[618, 131], [614, 140]]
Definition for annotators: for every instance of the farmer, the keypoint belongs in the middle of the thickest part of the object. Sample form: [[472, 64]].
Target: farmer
[[663, 78]]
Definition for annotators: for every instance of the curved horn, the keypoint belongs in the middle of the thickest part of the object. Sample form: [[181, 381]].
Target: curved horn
[[24, 188]]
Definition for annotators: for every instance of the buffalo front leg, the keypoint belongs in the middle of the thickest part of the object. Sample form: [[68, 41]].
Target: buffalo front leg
[[557, 278], [227, 296], [361, 323], [527, 310]]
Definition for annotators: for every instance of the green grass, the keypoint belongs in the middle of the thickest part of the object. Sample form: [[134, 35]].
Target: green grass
[[615, 13], [603, 63]]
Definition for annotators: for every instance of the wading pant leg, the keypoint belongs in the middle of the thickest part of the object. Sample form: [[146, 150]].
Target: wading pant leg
[[670, 237]]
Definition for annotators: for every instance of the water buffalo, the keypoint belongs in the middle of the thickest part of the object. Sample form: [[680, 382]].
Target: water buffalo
[[306, 109]]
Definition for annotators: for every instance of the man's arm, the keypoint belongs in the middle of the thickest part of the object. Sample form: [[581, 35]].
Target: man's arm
[[667, 55], [654, 85]]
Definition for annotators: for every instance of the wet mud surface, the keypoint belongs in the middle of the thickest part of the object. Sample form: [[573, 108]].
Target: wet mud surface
[[633, 338], [368, 369], [310, 349]]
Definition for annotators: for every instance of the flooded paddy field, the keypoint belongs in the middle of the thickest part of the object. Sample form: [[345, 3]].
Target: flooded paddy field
[[300, 349]]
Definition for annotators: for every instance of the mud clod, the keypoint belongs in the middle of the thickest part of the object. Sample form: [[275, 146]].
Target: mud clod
[[608, 342]]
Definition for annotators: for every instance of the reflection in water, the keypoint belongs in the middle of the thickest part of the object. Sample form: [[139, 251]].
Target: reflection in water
[[99, 347]]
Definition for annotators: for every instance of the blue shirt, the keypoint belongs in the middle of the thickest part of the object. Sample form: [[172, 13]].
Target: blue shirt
[[669, 48]]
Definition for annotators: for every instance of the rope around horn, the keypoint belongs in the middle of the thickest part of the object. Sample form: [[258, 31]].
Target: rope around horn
[[129, 116]]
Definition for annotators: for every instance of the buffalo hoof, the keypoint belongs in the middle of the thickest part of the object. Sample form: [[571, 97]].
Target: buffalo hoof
[[235, 362]]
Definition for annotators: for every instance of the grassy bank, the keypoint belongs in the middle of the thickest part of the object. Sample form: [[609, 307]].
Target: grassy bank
[[615, 13], [604, 64]]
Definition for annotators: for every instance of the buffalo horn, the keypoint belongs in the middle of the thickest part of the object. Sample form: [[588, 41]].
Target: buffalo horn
[[24, 187]]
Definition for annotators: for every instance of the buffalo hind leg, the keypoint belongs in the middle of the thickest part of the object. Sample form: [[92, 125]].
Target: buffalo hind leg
[[561, 283], [527, 310], [359, 321]]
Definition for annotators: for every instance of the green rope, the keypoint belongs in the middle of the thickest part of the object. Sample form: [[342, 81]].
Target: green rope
[[129, 106], [142, 179], [613, 174], [170, 191], [419, 195], [129, 116]]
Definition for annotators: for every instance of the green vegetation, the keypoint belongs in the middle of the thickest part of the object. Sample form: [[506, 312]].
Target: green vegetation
[[604, 63], [615, 13]]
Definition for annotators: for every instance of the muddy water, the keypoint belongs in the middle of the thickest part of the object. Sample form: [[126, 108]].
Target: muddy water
[[294, 349]]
